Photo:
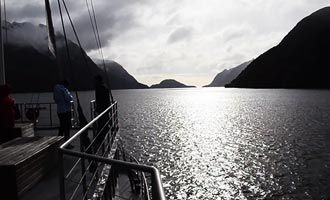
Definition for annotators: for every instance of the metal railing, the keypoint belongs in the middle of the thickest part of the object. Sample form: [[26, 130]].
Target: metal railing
[[82, 171], [43, 115], [93, 109], [139, 175]]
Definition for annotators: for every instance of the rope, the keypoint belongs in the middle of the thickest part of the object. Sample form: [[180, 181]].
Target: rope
[[67, 47], [75, 34], [80, 112], [97, 32], [92, 24], [100, 46], [81, 116], [5, 14]]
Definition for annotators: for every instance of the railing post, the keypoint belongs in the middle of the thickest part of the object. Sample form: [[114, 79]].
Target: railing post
[[61, 175], [110, 114], [156, 188], [116, 116], [92, 107], [73, 115], [83, 167], [22, 112], [157, 191], [50, 115]]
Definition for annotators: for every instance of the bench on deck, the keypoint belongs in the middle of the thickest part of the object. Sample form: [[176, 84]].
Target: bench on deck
[[24, 161], [22, 129]]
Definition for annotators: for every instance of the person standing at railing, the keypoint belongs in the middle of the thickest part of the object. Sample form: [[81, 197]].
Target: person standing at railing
[[63, 98], [102, 99], [7, 114]]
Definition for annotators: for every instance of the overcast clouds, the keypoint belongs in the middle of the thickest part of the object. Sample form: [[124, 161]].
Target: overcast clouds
[[189, 40]]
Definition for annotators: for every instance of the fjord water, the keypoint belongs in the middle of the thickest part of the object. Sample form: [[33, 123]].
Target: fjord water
[[232, 143], [216, 143]]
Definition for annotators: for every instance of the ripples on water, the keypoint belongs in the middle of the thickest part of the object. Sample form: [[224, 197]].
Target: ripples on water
[[229, 143], [232, 143]]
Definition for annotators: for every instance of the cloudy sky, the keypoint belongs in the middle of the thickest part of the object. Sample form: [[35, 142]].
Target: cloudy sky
[[189, 40]]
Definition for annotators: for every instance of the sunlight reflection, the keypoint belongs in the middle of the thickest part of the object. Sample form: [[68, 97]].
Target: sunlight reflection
[[228, 143]]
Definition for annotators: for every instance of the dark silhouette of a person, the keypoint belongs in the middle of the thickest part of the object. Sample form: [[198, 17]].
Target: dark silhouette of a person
[[102, 99], [63, 98], [7, 114]]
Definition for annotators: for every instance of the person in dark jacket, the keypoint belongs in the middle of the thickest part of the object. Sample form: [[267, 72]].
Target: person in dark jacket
[[7, 114], [102, 99], [101, 94], [63, 98]]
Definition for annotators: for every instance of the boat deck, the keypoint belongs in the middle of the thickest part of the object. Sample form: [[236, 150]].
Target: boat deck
[[48, 187]]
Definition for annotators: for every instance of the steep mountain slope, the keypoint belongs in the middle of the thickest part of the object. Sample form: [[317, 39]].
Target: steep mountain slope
[[301, 60], [28, 70], [227, 75], [31, 68], [119, 78]]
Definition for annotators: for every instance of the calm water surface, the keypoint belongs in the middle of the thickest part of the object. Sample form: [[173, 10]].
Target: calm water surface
[[230, 143]]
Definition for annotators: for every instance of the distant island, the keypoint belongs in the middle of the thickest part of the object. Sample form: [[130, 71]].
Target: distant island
[[227, 75], [300, 60], [170, 83], [31, 68]]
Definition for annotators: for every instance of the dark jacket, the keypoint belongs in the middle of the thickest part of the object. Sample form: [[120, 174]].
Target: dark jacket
[[102, 97]]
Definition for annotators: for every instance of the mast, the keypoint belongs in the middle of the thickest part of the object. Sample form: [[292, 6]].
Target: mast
[[2, 63], [52, 39]]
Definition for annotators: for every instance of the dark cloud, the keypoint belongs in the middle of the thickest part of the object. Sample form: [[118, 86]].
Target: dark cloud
[[182, 33], [113, 18], [85, 31], [32, 10], [145, 33], [29, 12]]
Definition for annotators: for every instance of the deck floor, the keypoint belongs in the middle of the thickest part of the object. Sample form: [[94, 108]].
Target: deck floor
[[48, 187]]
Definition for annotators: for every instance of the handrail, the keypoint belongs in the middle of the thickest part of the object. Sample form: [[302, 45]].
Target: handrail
[[42, 114], [144, 182], [82, 130], [143, 175], [156, 189]]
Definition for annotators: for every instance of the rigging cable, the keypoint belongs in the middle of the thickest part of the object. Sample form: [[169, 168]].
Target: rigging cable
[[5, 15], [81, 116], [66, 40], [98, 34], [100, 49], [75, 34], [67, 47], [93, 27]]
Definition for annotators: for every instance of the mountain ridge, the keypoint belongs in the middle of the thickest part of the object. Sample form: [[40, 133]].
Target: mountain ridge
[[300, 60], [227, 75], [119, 78], [29, 43]]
